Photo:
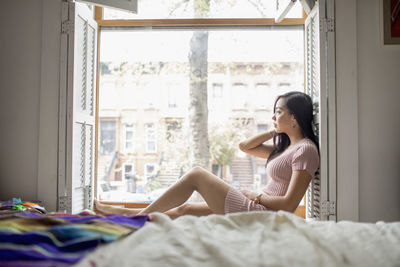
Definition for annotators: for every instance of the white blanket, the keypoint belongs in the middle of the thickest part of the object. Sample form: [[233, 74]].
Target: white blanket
[[252, 239]]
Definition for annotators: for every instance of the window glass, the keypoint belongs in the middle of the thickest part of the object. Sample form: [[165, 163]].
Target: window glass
[[107, 137], [150, 138], [182, 9], [247, 68], [239, 93], [261, 128], [128, 138]]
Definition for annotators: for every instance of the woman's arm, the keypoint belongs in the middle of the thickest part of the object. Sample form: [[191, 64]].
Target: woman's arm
[[254, 145], [297, 188]]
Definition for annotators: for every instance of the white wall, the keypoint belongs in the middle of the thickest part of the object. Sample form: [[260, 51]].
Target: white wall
[[368, 82], [20, 48], [347, 111], [29, 99], [379, 117]]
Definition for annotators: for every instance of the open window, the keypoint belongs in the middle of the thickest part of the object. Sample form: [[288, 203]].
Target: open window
[[78, 105]]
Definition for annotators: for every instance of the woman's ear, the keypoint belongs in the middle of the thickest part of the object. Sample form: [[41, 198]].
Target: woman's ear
[[293, 121]]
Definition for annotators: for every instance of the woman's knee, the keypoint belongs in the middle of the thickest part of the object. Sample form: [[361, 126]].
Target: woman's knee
[[195, 175], [197, 170]]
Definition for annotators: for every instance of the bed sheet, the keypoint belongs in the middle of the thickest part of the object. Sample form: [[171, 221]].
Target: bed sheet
[[32, 239], [253, 239]]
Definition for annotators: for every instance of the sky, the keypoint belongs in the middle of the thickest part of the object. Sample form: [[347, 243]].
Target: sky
[[224, 45]]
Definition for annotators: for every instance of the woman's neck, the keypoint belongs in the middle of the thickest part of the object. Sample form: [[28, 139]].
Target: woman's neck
[[295, 138]]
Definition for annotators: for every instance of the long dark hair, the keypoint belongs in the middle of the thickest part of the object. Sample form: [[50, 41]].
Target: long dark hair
[[301, 107]]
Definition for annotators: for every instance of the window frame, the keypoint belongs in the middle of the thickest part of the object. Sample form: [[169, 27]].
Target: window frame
[[147, 129], [204, 22], [128, 127]]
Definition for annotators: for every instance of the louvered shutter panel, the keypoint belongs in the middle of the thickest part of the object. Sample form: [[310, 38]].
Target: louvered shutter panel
[[317, 190], [81, 101]]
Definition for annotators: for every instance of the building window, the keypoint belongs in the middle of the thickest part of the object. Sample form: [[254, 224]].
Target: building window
[[107, 137], [172, 97], [151, 145], [217, 90], [150, 170], [263, 99], [173, 127], [129, 176], [239, 96], [128, 170], [129, 136]]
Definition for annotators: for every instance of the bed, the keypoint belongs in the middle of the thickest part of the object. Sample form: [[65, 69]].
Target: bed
[[29, 238], [252, 239], [247, 239]]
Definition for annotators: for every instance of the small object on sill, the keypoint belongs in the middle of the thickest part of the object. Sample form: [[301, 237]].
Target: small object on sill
[[17, 205]]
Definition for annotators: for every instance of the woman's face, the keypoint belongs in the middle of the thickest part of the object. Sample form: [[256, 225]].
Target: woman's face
[[282, 119]]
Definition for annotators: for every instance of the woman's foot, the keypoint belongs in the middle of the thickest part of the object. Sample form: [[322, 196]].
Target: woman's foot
[[108, 209], [102, 208]]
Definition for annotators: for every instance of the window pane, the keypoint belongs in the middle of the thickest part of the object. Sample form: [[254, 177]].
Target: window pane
[[246, 70], [107, 137], [174, 9]]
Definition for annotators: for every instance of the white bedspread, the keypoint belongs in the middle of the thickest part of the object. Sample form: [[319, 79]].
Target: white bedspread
[[253, 239]]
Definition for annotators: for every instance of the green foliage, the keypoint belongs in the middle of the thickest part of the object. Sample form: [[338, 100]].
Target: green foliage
[[224, 141], [153, 184], [201, 8]]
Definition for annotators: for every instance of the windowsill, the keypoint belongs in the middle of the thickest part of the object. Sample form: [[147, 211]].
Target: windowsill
[[131, 205], [300, 211]]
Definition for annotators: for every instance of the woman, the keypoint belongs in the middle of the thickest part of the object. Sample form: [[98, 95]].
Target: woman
[[291, 163]]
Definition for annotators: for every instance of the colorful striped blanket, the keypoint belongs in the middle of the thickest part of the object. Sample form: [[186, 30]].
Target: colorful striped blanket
[[32, 239]]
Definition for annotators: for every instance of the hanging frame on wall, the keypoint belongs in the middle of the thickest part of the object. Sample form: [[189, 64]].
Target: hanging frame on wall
[[391, 21]]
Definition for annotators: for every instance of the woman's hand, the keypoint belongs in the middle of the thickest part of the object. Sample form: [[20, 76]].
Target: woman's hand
[[249, 194]]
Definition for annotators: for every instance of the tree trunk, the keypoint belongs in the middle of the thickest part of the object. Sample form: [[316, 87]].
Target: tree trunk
[[198, 108]]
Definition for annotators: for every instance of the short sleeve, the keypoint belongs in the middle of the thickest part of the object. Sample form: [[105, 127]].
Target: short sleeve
[[306, 158]]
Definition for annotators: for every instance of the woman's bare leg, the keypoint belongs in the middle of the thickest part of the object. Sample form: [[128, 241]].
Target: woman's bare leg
[[210, 187], [104, 209], [195, 209]]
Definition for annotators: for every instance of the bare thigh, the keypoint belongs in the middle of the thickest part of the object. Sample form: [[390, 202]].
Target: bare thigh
[[211, 188]]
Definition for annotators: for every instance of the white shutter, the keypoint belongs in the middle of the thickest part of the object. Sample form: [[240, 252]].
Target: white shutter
[[321, 194], [79, 40], [307, 5]]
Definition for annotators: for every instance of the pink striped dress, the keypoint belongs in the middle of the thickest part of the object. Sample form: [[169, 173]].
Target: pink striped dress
[[301, 156]]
